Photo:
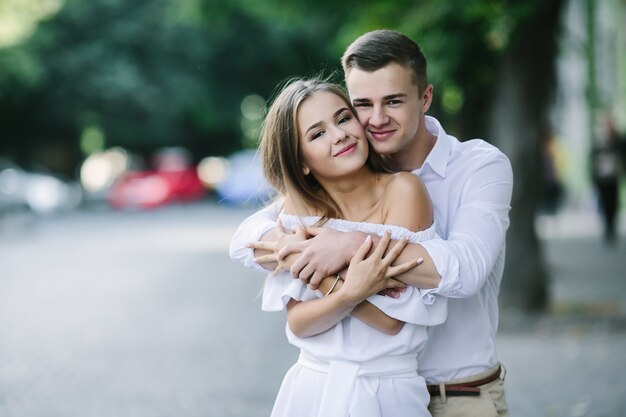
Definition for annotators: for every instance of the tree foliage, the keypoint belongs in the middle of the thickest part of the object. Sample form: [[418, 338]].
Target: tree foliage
[[145, 74], [158, 73]]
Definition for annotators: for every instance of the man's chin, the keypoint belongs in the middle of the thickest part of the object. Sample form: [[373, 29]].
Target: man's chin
[[383, 148]]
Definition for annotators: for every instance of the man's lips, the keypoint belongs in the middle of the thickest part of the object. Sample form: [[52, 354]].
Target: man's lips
[[348, 149], [381, 135]]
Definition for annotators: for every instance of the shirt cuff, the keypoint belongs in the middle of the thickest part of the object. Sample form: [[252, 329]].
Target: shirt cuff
[[256, 235], [447, 266]]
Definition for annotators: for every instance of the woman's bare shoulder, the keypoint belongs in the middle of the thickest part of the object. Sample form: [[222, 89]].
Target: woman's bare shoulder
[[406, 182], [407, 203]]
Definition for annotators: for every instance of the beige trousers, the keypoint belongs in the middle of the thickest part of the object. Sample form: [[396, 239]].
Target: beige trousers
[[490, 402]]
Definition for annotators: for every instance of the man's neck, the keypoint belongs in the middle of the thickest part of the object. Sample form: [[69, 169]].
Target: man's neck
[[413, 155]]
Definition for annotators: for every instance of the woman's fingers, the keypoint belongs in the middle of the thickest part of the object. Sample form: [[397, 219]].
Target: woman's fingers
[[363, 250], [395, 251], [394, 271], [382, 246], [262, 245], [271, 257]]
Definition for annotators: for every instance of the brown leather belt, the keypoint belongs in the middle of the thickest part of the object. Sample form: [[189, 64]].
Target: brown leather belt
[[464, 388]]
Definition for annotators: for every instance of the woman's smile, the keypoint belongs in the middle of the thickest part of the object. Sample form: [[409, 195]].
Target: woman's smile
[[346, 150]]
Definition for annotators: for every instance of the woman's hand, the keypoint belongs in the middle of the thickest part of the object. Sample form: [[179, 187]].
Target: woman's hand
[[370, 274], [283, 238]]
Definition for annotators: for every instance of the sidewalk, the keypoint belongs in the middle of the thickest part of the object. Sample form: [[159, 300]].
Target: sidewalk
[[587, 275], [571, 361], [143, 314]]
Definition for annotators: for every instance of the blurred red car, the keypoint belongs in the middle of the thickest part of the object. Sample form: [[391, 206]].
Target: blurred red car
[[172, 181], [149, 189]]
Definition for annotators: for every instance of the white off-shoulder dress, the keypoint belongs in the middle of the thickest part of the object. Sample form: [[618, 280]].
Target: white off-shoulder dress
[[353, 369]]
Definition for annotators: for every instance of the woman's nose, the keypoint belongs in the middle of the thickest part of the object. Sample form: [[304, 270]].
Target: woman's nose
[[339, 134]]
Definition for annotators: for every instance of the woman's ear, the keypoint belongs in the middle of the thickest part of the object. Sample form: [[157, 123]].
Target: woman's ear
[[305, 170]]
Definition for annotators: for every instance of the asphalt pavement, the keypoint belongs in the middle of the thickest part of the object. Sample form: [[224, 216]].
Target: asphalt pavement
[[142, 314]]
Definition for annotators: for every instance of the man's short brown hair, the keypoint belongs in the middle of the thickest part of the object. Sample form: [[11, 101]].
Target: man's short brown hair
[[377, 49]]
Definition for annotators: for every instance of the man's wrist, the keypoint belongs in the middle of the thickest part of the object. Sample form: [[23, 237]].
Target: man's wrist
[[351, 245]]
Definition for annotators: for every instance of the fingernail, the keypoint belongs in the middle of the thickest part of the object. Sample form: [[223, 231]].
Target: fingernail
[[420, 260], [368, 239]]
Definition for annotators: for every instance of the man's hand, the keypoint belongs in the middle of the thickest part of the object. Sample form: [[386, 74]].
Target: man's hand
[[323, 255], [283, 238]]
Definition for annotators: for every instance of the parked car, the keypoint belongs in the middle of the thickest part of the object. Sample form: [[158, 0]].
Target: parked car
[[150, 189], [174, 179], [245, 184], [38, 192]]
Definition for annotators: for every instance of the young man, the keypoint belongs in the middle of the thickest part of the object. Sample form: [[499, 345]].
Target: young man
[[470, 185]]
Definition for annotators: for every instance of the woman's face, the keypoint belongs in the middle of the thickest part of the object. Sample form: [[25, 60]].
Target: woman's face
[[332, 141]]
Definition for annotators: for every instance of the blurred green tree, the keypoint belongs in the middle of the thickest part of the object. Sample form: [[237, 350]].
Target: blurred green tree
[[147, 74], [143, 75]]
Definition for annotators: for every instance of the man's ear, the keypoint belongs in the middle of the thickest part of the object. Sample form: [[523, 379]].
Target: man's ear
[[427, 97]]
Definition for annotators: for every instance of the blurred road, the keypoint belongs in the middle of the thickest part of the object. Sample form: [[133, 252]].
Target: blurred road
[[135, 314]]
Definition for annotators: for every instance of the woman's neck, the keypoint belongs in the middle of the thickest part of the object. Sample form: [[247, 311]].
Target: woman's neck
[[357, 196]]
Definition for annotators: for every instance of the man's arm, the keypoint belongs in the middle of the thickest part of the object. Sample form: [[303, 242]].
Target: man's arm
[[330, 251], [477, 232]]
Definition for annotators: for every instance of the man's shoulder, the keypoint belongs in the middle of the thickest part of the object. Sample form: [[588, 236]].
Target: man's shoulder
[[479, 148]]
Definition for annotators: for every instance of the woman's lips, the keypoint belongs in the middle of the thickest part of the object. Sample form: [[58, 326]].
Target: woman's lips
[[347, 150]]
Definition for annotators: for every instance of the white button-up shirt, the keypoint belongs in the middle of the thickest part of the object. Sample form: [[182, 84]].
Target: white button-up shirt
[[470, 184]]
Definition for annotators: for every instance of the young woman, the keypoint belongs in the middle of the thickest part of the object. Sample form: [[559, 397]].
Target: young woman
[[358, 349]]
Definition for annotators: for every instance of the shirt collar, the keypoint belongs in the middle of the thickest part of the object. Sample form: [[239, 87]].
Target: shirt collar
[[438, 157]]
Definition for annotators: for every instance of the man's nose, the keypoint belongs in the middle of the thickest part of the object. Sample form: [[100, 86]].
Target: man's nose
[[379, 117]]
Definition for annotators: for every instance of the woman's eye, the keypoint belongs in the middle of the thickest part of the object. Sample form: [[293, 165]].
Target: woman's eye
[[317, 134], [343, 119]]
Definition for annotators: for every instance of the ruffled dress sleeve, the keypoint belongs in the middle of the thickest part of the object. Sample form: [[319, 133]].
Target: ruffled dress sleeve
[[280, 288]]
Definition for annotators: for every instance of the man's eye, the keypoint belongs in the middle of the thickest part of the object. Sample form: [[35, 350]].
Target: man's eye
[[361, 105], [393, 102]]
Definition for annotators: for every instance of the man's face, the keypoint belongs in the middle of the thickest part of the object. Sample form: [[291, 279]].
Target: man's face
[[388, 105]]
